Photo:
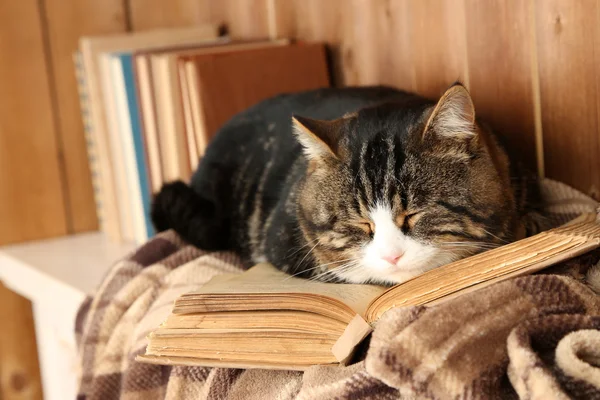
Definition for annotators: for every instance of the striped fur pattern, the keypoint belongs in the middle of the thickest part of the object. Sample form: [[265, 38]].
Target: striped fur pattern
[[354, 185]]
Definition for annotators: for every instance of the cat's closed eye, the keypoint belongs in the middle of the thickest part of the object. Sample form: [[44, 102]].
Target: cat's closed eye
[[407, 221], [366, 226]]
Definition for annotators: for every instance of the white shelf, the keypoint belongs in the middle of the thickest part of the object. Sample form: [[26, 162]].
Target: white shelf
[[74, 264], [56, 275]]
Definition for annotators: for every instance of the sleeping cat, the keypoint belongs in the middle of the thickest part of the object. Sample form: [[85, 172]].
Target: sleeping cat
[[350, 185]]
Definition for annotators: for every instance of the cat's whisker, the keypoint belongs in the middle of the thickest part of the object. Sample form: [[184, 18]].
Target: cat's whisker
[[302, 247], [469, 244], [400, 183], [301, 272], [317, 267], [494, 236], [333, 271], [347, 269], [336, 262], [474, 247], [307, 253]]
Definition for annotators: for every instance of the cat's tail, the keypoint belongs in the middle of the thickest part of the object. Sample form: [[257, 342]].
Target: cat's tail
[[196, 219]]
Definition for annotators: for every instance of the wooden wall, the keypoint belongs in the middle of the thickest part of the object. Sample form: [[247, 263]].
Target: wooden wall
[[532, 67], [19, 369]]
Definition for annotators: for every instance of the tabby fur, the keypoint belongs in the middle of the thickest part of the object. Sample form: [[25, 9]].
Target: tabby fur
[[356, 185]]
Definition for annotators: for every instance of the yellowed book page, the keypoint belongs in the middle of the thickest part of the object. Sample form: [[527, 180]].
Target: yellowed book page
[[264, 279], [519, 258], [286, 320], [195, 361], [275, 346]]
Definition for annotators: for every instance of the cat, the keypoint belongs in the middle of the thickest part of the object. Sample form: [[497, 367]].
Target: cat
[[356, 185]]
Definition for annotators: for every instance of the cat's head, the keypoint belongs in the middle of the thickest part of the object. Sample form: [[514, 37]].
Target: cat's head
[[398, 189]]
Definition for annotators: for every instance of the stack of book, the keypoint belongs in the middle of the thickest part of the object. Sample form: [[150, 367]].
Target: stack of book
[[151, 102]]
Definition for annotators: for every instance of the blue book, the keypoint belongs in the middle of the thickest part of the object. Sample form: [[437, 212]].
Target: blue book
[[132, 139]]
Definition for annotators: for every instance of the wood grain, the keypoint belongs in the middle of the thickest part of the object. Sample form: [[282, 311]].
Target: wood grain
[[241, 18], [568, 38], [19, 367], [439, 53], [500, 71], [413, 45], [32, 202], [66, 21], [388, 22], [151, 14]]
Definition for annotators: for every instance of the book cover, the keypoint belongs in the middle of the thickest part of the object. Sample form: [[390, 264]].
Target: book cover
[[225, 83], [132, 138]]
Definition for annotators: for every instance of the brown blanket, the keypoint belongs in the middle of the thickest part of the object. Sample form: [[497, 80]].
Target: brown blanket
[[534, 337], [538, 336]]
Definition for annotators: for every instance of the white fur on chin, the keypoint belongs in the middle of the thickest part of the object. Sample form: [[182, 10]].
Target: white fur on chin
[[416, 257]]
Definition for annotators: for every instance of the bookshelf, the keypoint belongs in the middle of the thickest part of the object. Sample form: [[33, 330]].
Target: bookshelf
[[56, 275]]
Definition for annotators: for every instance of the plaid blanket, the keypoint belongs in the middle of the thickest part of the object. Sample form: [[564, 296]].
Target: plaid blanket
[[532, 337]]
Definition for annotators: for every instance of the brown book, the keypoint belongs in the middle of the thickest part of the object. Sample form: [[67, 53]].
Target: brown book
[[220, 85], [264, 318], [178, 147]]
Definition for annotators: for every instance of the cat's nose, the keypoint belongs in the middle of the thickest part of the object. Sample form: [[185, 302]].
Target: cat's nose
[[392, 258]]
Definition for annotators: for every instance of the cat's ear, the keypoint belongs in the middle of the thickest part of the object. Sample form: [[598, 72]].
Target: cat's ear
[[454, 115], [318, 138]]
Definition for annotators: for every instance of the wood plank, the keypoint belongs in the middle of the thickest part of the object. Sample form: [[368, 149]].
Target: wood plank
[[32, 203], [568, 38], [152, 14], [499, 48], [19, 367], [439, 53], [411, 44], [419, 44], [67, 20], [248, 19], [371, 25]]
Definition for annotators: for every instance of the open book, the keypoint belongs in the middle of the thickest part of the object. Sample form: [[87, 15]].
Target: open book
[[264, 318]]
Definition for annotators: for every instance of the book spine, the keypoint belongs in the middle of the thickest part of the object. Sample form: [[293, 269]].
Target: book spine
[[110, 208], [149, 124], [198, 118], [185, 146], [139, 144], [187, 117], [116, 139], [140, 75], [84, 106]]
